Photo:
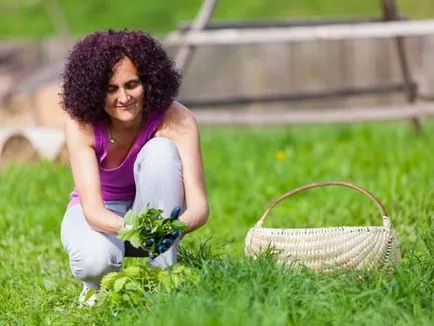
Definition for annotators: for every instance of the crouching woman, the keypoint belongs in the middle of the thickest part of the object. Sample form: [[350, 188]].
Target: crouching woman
[[130, 144]]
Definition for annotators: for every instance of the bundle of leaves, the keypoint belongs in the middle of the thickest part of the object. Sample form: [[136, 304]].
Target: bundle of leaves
[[150, 231], [134, 285]]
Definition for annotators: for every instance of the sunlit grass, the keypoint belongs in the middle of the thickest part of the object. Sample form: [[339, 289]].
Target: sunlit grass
[[244, 175]]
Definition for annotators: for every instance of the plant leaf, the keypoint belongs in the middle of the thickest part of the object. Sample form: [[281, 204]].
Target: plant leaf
[[108, 280], [119, 284]]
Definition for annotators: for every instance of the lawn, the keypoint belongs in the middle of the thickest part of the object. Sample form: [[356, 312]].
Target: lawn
[[24, 18], [246, 169]]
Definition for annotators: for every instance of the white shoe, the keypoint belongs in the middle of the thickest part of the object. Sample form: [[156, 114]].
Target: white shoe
[[86, 298]]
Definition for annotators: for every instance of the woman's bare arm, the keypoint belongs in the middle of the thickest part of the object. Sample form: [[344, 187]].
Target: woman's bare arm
[[181, 127], [84, 166]]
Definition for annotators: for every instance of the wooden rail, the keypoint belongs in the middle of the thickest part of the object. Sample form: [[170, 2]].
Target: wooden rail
[[296, 34], [312, 116]]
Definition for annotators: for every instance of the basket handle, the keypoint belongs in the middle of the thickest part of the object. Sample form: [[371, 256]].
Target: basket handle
[[321, 184]]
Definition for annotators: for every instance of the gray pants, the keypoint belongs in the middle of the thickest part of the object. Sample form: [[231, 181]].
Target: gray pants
[[158, 178]]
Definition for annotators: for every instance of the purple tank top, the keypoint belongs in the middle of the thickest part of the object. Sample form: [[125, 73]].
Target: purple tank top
[[118, 183]]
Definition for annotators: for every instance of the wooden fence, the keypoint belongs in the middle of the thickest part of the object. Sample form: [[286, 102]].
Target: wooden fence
[[252, 69], [219, 71]]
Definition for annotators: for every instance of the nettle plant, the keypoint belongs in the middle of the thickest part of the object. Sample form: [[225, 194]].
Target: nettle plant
[[133, 285], [150, 231]]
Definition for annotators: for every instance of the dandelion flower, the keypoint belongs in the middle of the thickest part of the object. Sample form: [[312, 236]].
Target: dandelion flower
[[280, 155]]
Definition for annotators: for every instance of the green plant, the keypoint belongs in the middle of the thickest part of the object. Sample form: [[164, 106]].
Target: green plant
[[150, 231], [133, 286]]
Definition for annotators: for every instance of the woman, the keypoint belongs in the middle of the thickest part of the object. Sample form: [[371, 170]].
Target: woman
[[130, 144]]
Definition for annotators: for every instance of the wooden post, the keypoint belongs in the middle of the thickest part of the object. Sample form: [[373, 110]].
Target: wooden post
[[391, 14], [185, 52]]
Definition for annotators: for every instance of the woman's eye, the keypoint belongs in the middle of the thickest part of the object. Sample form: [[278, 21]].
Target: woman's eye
[[132, 84], [111, 89]]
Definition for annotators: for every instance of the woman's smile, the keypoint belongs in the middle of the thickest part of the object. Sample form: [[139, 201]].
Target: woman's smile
[[126, 106]]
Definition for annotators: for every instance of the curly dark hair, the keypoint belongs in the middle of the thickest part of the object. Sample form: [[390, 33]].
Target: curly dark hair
[[88, 70]]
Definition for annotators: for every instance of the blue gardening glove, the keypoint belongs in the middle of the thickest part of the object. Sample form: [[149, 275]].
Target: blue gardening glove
[[169, 239], [175, 212]]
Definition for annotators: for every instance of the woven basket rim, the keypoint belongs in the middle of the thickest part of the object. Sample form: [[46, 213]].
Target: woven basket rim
[[322, 228]]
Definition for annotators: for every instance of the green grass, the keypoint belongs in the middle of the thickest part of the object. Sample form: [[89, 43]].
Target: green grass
[[243, 176], [24, 20]]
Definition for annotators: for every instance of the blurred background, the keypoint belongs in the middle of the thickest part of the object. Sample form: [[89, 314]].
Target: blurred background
[[256, 82], [245, 64]]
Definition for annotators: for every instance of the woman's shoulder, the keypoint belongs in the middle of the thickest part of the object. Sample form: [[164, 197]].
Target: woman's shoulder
[[178, 119], [77, 131], [178, 108]]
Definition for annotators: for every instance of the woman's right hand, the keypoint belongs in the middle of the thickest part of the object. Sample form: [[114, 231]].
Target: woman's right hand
[[84, 166]]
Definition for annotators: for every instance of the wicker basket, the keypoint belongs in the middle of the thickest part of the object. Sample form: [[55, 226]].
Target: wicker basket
[[331, 248]]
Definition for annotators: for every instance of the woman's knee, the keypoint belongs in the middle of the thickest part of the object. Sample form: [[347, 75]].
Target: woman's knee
[[158, 176], [157, 151], [91, 264]]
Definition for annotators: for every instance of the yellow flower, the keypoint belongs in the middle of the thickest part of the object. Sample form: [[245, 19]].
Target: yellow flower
[[280, 155]]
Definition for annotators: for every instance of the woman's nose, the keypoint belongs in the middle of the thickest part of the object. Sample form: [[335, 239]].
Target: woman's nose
[[122, 96]]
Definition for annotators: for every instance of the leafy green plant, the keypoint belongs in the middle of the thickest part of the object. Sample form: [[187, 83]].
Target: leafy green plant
[[133, 286], [150, 231]]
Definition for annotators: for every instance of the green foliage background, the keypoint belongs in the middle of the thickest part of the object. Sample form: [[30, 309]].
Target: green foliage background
[[30, 18]]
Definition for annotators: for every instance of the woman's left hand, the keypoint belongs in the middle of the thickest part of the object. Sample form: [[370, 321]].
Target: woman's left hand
[[168, 240]]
